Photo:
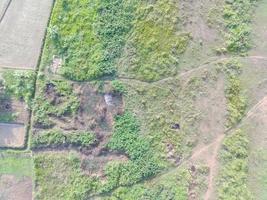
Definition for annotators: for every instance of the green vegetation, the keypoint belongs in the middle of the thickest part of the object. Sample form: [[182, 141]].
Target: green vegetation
[[170, 186], [57, 138], [232, 183], [55, 98], [20, 84], [118, 87], [89, 35], [143, 162], [155, 43], [59, 177], [7, 117], [237, 16], [17, 164], [236, 103]]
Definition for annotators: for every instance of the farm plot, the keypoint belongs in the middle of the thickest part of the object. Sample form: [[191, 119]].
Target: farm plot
[[15, 176], [16, 91], [12, 135], [22, 30]]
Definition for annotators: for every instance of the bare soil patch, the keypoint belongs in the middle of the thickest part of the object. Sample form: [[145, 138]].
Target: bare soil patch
[[12, 135], [21, 32], [12, 188]]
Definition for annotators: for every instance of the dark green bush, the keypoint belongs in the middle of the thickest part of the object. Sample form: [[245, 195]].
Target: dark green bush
[[142, 164], [237, 15], [56, 138], [89, 35]]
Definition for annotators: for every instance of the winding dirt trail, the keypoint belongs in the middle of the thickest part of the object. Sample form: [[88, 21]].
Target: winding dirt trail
[[204, 65], [213, 161]]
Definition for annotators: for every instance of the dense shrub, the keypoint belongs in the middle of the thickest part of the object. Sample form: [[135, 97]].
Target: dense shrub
[[57, 138], [20, 84], [237, 15], [143, 163], [89, 35], [236, 103], [232, 183]]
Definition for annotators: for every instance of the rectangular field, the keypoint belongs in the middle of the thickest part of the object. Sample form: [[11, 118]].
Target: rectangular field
[[12, 135], [16, 174], [22, 30]]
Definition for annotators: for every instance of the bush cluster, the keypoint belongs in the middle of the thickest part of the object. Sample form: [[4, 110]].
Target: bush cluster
[[20, 84], [57, 138], [89, 35], [232, 183], [236, 103], [127, 139], [237, 15]]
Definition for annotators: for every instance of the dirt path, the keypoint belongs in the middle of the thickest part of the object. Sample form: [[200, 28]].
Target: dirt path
[[213, 161], [198, 68]]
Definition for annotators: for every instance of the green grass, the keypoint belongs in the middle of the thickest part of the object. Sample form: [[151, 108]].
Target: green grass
[[59, 177], [258, 173], [233, 174], [17, 164], [156, 42]]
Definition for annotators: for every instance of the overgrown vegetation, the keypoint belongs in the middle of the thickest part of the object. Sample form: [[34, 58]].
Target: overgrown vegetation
[[89, 35], [236, 103], [20, 84], [237, 15], [60, 177], [143, 162], [57, 138], [170, 186], [55, 98], [232, 182]]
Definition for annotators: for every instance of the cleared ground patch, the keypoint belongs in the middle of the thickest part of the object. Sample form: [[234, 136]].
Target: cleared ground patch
[[29, 19], [12, 135]]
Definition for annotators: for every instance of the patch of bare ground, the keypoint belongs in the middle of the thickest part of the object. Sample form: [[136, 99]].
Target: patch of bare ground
[[12, 188], [12, 135], [95, 165], [195, 16]]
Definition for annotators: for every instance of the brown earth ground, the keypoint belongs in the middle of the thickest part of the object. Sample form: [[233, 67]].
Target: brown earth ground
[[12, 188]]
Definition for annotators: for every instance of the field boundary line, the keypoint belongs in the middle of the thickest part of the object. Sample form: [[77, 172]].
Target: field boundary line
[[5, 11]]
